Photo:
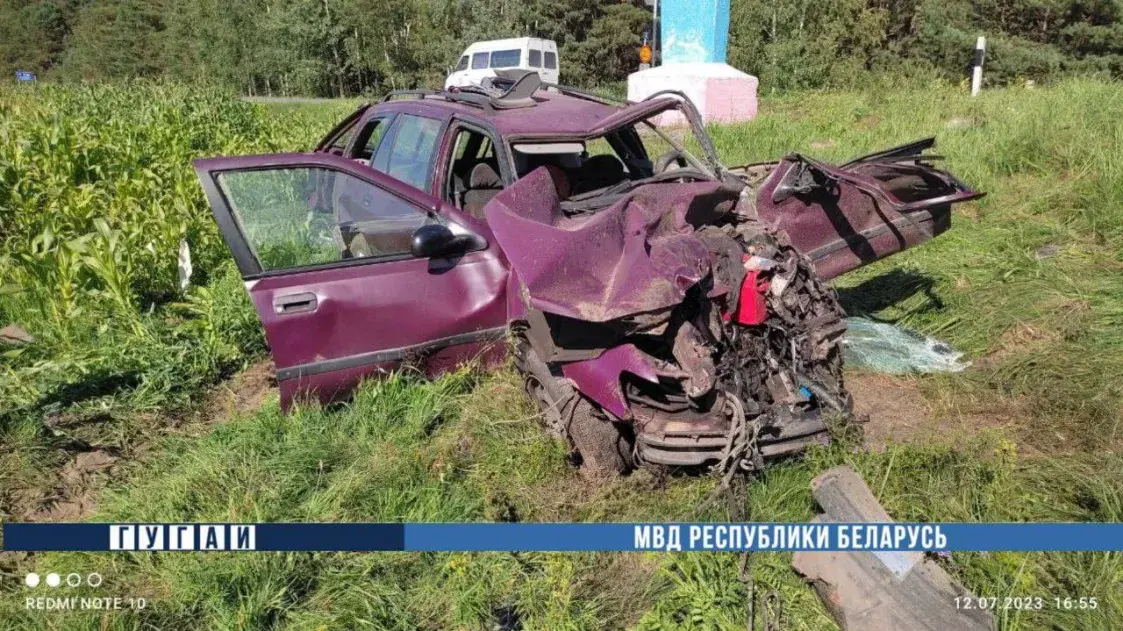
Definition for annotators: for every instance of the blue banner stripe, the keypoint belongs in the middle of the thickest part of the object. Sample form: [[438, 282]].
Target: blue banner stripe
[[561, 537]]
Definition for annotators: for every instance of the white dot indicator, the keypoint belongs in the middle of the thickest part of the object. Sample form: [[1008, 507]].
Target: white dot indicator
[[32, 579], [53, 579]]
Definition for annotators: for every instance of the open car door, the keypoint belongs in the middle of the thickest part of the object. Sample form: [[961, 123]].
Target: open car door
[[844, 217], [326, 248]]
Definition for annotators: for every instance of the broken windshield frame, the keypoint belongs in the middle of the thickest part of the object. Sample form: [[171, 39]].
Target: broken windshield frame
[[650, 142], [647, 113], [685, 106], [686, 155]]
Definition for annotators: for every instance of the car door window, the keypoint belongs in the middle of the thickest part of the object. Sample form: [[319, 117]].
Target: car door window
[[369, 139], [479, 61], [302, 216], [462, 64], [551, 61], [535, 60], [339, 144], [473, 172], [340, 136], [408, 155]]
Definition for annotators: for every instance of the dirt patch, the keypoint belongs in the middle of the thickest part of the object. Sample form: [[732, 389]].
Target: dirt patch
[[897, 411], [900, 413], [969, 211], [85, 463], [870, 122], [75, 495], [1020, 338], [243, 394]]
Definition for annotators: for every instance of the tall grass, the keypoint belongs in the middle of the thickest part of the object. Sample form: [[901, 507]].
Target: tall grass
[[97, 193]]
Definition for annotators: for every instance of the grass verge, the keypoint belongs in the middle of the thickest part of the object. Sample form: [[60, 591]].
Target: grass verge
[[464, 448]]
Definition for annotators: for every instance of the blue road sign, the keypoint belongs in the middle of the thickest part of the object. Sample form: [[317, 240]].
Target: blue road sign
[[25, 75]]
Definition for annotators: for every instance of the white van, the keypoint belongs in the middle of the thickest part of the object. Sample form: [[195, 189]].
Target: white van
[[482, 59]]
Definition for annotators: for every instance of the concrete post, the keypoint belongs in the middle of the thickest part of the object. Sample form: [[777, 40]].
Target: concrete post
[[695, 32], [694, 39]]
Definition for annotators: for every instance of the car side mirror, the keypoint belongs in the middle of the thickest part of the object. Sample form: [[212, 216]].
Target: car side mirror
[[437, 241]]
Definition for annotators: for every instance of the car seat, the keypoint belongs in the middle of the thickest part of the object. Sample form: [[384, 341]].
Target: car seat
[[598, 172], [561, 181], [483, 184]]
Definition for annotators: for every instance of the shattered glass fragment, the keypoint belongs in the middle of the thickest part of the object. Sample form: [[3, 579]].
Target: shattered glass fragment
[[890, 349]]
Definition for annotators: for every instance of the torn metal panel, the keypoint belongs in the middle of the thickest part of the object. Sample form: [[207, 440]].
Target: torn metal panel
[[844, 217], [599, 379], [637, 255], [729, 335], [694, 355]]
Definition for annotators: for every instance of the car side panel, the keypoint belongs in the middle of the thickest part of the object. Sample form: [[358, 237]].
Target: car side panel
[[371, 318], [841, 233]]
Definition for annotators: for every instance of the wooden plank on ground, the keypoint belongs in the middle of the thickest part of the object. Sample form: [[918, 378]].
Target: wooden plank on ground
[[880, 591]]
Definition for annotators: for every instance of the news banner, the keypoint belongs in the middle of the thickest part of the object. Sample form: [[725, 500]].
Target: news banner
[[561, 537]]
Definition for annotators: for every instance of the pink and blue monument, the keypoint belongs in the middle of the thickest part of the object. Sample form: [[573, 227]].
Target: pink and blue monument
[[694, 36]]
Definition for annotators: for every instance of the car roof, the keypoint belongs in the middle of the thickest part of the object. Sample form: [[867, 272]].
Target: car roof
[[514, 42], [553, 115]]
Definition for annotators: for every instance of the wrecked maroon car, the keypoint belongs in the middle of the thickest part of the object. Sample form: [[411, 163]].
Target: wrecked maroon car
[[661, 308]]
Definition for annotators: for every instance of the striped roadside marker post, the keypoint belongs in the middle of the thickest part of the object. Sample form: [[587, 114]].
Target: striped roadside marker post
[[977, 66]]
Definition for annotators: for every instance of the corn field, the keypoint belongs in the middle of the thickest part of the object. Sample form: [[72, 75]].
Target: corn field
[[98, 204]]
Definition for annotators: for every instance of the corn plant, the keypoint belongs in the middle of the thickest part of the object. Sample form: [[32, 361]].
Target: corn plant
[[97, 193]]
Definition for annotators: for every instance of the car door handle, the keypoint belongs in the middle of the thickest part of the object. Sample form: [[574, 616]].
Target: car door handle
[[294, 303]]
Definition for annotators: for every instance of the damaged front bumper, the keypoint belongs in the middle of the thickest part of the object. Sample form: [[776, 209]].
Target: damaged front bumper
[[706, 441]]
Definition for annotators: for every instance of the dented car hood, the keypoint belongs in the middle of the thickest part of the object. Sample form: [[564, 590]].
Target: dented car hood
[[640, 254]]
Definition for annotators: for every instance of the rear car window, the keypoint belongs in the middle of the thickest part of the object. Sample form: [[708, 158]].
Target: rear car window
[[301, 216], [506, 58], [535, 59], [411, 150], [479, 60], [551, 60], [462, 64]]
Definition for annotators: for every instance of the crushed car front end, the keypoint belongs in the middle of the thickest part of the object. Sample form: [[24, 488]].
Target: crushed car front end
[[663, 311], [702, 336]]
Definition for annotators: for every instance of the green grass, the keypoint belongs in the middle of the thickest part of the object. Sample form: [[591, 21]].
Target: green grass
[[462, 449], [96, 194], [1051, 162], [1045, 334]]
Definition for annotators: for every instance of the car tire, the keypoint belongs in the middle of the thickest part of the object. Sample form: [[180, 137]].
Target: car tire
[[598, 446]]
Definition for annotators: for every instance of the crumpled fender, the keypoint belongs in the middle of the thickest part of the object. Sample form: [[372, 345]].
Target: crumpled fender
[[599, 379]]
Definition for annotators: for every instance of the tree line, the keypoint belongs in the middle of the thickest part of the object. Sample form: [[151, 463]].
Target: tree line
[[349, 47]]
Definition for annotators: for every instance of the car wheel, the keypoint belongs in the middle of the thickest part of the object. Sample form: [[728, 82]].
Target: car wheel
[[599, 446]]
